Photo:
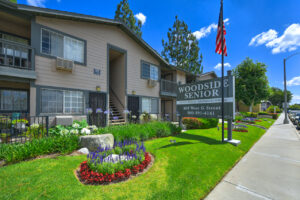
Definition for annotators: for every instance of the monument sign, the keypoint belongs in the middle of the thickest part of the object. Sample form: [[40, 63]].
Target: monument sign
[[204, 98]]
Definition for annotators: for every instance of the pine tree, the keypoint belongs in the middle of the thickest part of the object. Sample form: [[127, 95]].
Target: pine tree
[[182, 49], [125, 14]]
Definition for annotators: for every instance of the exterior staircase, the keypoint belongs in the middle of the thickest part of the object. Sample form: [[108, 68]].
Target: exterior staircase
[[115, 117]]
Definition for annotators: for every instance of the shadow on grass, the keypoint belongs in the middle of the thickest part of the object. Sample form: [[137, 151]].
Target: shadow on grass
[[176, 144], [200, 138]]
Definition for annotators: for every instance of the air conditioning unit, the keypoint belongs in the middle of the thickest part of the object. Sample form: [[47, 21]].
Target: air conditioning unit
[[64, 65], [152, 83]]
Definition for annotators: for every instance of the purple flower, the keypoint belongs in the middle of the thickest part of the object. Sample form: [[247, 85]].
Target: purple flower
[[115, 118], [106, 112], [99, 110], [126, 111], [88, 111]]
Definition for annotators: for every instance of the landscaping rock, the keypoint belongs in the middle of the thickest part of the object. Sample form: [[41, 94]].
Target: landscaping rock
[[117, 158], [84, 150], [92, 142]]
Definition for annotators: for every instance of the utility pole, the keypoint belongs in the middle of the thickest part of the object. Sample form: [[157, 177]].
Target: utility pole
[[286, 121]]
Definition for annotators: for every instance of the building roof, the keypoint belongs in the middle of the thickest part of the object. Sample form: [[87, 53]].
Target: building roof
[[31, 10]]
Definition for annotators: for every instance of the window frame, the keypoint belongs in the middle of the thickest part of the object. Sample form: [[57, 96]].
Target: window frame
[[16, 89], [84, 63], [151, 99], [150, 64], [63, 102]]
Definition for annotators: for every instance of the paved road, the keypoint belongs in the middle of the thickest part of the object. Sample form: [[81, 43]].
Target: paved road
[[270, 170]]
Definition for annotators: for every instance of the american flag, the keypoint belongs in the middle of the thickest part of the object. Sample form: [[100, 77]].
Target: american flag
[[219, 34]]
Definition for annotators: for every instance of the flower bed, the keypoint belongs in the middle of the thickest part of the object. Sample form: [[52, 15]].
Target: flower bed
[[107, 165]]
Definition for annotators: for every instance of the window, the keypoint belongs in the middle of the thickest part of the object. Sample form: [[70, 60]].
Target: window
[[58, 45], [150, 105], [62, 101], [149, 71], [13, 100]]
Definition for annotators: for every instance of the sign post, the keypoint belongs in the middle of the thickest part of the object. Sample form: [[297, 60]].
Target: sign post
[[203, 99]]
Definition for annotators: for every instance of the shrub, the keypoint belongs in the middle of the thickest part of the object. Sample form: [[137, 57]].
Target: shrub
[[191, 122], [252, 114], [36, 147], [141, 131], [271, 109], [238, 118], [199, 123]]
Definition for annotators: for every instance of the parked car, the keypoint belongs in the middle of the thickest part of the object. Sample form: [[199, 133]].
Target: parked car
[[297, 118]]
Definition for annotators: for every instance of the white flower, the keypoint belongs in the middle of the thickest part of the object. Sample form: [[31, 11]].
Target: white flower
[[85, 131], [93, 128], [64, 131], [76, 125], [133, 116], [74, 131], [34, 126]]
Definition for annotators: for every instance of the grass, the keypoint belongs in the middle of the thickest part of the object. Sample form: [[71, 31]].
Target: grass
[[265, 122], [187, 169]]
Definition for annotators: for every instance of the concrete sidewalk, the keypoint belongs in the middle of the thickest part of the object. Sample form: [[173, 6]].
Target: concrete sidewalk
[[270, 170]]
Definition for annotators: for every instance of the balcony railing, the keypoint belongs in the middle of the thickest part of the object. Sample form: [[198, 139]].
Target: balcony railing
[[168, 88], [16, 55]]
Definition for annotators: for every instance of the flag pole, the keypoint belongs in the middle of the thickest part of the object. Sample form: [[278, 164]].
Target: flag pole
[[222, 79]]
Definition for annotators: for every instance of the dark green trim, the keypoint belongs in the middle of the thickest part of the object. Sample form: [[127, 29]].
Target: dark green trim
[[14, 13], [38, 98], [17, 73], [116, 48], [14, 79], [36, 35]]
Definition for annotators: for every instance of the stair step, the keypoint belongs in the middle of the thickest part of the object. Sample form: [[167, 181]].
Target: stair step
[[115, 124], [117, 120]]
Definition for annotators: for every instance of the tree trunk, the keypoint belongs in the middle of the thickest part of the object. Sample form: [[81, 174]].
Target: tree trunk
[[251, 107]]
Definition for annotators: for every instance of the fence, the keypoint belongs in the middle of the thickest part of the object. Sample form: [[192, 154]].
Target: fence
[[20, 127]]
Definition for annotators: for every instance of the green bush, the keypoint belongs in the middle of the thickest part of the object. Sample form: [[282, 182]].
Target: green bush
[[141, 131], [199, 123], [36, 147], [252, 114], [191, 122], [238, 118], [271, 109], [274, 115]]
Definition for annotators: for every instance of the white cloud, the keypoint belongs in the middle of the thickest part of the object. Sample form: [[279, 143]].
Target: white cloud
[[263, 37], [219, 66], [288, 41], [205, 31], [141, 17], [294, 81], [36, 3], [296, 99]]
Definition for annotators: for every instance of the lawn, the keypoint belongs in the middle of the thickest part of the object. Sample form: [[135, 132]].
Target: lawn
[[265, 122], [187, 169]]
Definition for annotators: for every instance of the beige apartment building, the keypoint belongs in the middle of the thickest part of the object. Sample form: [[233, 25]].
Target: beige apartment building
[[58, 64]]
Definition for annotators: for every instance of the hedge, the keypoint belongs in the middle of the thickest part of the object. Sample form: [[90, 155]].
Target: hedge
[[199, 123], [36, 147], [140, 132]]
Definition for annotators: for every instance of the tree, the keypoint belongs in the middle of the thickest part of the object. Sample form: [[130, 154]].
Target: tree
[[182, 49], [251, 82], [277, 96], [125, 15], [295, 107]]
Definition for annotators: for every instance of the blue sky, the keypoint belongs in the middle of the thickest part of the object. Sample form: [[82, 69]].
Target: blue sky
[[264, 30]]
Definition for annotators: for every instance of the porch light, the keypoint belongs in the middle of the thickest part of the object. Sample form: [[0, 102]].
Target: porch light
[[98, 88]]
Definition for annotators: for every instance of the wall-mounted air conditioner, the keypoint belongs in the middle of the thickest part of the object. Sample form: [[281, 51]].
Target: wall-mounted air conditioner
[[152, 83], [64, 65]]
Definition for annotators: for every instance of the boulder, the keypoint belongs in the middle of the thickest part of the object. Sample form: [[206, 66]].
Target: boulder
[[84, 150], [92, 142]]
